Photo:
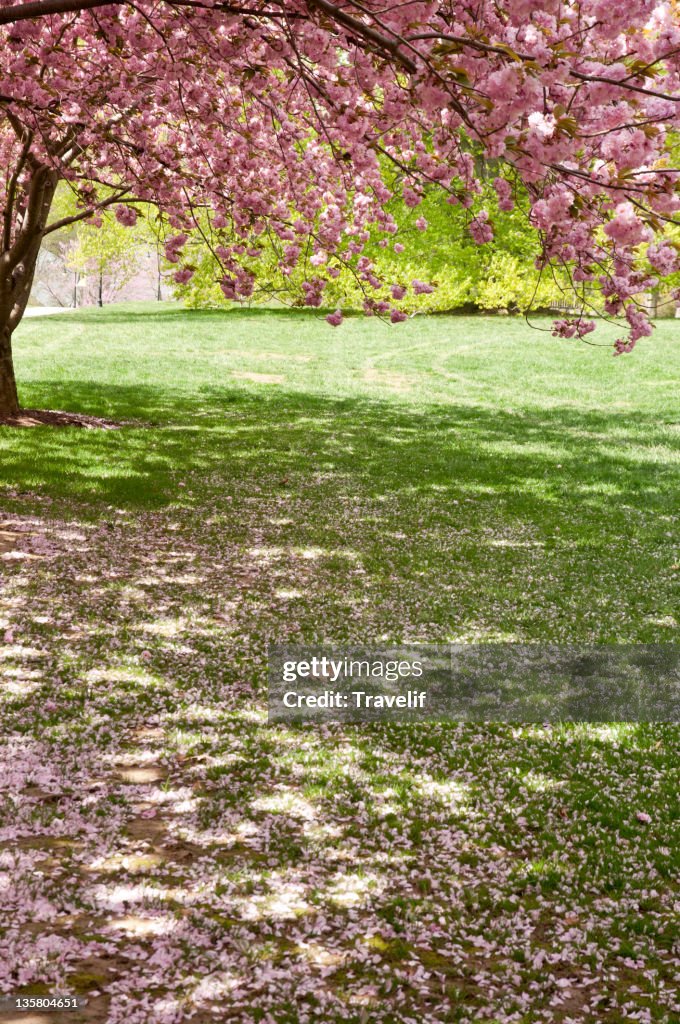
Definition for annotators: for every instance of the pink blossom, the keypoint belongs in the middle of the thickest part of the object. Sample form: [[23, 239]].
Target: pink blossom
[[480, 229], [421, 287], [576, 328], [663, 256], [542, 124], [126, 215], [173, 247], [412, 198], [504, 192], [626, 227]]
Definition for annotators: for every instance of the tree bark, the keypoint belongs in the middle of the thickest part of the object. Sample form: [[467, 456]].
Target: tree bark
[[17, 269], [9, 400]]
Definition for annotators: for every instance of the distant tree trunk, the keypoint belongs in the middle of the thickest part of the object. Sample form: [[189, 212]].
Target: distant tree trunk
[[159, 290], [100, 295]]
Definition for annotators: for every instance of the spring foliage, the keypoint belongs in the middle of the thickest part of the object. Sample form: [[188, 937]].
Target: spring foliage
[[268, 127]]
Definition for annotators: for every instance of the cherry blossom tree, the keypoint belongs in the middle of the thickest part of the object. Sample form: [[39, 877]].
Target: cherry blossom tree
[[274, 120]]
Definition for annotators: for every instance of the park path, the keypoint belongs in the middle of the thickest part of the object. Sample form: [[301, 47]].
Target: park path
[[33, 311]]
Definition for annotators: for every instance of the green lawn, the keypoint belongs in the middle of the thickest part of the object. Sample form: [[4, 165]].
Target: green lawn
[[276, 480]]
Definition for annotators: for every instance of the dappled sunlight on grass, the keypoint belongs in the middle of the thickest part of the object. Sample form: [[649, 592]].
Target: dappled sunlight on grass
[[286, 802], [539, 783], [175, 849]]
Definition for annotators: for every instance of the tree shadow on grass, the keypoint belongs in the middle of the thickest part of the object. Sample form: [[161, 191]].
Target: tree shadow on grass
[[351, 873], [218, 438]]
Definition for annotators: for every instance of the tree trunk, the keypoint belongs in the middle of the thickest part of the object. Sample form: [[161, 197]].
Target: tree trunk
[[18, 260], [9, 401]]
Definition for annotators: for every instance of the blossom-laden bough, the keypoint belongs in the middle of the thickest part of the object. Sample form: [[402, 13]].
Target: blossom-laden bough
[[271, 122]]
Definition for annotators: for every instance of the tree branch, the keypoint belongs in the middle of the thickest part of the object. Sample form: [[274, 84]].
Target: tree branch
[[66, 222], [11, 190], [43, 184], [44, 8], [365, 32]]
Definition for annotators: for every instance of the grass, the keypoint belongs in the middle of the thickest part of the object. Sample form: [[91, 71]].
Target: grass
[[450, 479]]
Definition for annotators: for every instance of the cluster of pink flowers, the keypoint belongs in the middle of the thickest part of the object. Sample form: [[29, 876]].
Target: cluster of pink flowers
[[573, 328], [663, 257], [173, 247], [626, 227], [480, 228], [504, 192], [253, 124], [313, 291], [421, 287], [126, 215]]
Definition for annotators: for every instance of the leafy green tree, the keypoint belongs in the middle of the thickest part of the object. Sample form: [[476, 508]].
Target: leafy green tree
[[106, 254], [432, 246]]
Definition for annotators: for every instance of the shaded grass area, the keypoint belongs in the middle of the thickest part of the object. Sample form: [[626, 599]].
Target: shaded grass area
[[525, 486], [454, 479]]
